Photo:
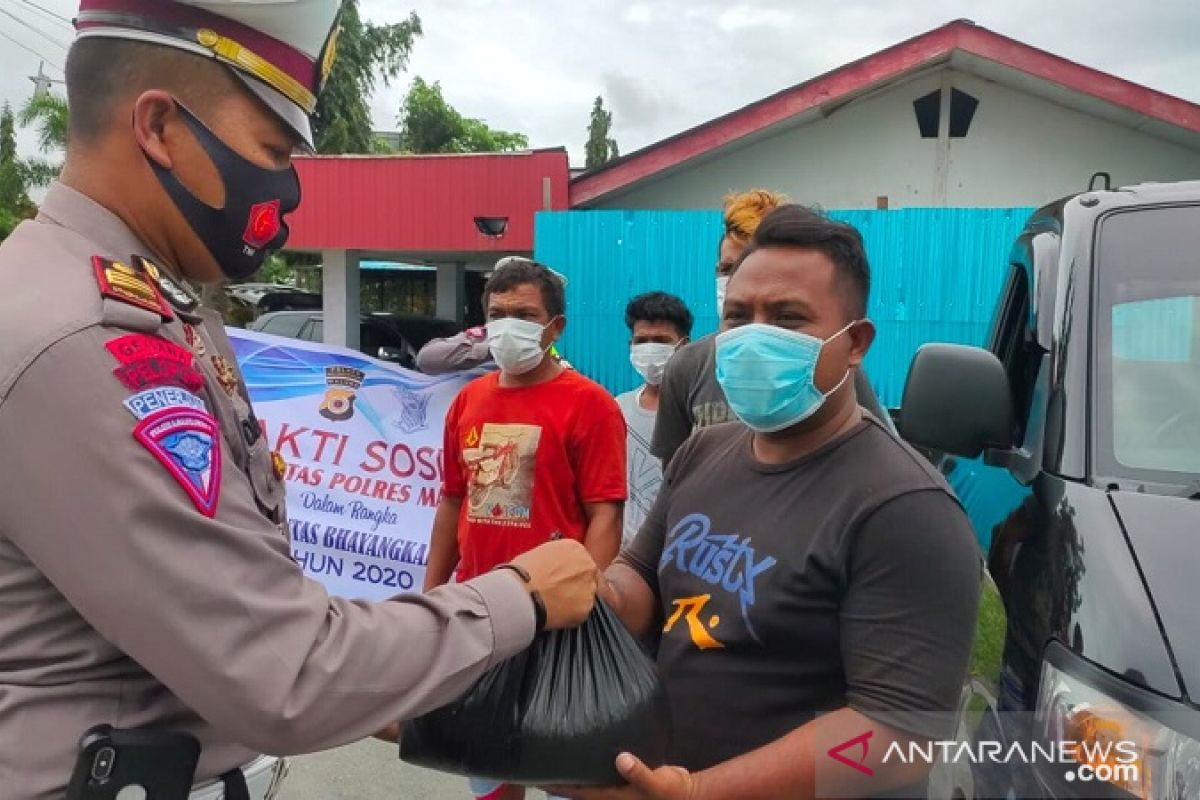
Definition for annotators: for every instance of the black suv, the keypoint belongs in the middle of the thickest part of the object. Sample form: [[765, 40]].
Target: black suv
[[1081, 423], [389, 337]]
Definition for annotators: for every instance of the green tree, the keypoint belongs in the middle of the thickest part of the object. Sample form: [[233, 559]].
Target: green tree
[[601, 147], [48, 112], [428, 124], [366, 53], [15, 204]]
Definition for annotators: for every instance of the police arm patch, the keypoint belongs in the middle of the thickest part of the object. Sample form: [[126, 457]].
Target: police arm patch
[[187, 442]]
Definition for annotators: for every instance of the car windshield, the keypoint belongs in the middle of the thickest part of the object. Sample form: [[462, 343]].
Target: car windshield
[[1148, 336]]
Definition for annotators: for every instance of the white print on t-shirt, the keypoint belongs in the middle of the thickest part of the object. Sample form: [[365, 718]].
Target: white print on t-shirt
[[500, 473]]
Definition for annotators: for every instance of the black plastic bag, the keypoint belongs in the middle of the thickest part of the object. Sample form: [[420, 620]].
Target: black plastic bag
[[557, 714]]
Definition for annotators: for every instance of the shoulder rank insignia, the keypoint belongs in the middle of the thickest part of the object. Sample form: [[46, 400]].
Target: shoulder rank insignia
[[131, 286], [176, 293], [187, 442]]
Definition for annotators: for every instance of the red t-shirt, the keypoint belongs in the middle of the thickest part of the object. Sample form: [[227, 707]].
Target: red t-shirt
[[525, 460]]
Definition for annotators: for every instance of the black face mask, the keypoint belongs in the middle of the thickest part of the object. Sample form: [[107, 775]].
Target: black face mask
[[240, 235]]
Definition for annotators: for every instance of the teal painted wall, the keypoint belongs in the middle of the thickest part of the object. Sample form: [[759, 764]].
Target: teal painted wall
[[936, 275]]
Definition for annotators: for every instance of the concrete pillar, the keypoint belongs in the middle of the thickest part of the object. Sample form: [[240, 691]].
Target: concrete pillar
[[451, 290], [340, 282]]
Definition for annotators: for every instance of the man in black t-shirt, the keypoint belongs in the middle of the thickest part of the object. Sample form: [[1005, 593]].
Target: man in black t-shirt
[[814, 578]]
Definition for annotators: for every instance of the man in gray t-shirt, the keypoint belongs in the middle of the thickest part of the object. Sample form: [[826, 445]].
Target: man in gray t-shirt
[[658, 324]]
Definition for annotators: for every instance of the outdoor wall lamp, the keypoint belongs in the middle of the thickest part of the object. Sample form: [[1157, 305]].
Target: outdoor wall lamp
[[492, 227]]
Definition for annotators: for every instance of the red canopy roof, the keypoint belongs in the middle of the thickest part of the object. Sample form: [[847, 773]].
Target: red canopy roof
[[420, 205]]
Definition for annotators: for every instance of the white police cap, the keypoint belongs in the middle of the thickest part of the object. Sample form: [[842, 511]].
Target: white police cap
[[282, 49]]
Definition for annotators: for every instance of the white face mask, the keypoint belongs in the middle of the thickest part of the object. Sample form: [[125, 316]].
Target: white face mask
[[516, 344], [722, 286], [650, 359]]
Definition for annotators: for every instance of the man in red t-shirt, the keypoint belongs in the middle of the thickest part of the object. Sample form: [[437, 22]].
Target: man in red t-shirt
[[534, 452]]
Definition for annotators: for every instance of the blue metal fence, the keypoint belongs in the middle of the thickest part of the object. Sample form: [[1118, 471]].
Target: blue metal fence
[[936, 276]]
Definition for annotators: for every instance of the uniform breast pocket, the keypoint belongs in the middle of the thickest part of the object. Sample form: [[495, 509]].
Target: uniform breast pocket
[[269, 490]]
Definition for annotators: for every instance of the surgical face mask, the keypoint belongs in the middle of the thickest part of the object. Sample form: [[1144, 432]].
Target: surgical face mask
[[722, 287], [250, 225], [516, 344], [650, 360], [768, 375]]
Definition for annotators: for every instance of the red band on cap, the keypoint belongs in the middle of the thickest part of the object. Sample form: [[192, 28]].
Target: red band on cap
[[182, 21]]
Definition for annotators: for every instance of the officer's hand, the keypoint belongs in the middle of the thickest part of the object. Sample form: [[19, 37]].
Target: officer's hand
[[390, 734], [565, 575]]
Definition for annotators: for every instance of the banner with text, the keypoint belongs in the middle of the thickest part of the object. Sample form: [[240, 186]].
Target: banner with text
[[362, 441]]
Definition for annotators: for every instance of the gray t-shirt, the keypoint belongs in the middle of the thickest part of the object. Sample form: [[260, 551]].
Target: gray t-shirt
[[848, 577], [692, 399], [645, 470]]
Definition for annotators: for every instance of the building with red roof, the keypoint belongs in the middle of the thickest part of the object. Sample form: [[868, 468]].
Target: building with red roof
[[959, 116]]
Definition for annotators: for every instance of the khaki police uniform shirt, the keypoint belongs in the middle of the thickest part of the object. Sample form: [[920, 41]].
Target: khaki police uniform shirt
[[122, 602]]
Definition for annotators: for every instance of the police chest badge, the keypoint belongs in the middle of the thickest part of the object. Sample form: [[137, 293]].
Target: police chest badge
[[226, 374], [343, 383], [187, 442]]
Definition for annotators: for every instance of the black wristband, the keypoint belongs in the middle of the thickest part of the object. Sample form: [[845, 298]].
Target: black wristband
[[539, 612], [539, 605]]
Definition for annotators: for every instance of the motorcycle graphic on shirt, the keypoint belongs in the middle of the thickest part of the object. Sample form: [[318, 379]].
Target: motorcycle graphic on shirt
[[500, 474]]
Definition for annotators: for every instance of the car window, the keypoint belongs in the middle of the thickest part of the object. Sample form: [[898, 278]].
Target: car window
[[372, 337], [1148, 345], [285, 325], [1013, 343]]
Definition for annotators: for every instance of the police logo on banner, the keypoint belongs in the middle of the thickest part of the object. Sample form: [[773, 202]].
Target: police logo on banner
[[414, 410], [187, 442], [343, 383]]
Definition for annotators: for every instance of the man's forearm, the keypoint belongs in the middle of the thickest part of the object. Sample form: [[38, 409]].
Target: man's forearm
[[603, 536], [443, 543], [629, 597], [788, 767]]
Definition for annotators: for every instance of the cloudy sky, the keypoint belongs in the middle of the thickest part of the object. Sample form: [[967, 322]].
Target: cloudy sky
[[535, 66]]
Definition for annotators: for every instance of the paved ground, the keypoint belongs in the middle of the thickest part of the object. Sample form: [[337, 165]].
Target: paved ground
[[370, 770]]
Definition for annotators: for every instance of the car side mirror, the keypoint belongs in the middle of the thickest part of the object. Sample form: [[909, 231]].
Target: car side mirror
[[393, 354], [957, 400]]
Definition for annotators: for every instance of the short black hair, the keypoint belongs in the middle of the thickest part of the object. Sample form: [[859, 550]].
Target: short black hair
[[659, 307], [801, 227], [523, 272], [101, 71]]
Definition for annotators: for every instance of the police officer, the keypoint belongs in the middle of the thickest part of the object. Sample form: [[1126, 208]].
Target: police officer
[[145, 576]]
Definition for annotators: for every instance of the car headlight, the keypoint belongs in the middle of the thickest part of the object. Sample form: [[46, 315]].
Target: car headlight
[[1118, 744]]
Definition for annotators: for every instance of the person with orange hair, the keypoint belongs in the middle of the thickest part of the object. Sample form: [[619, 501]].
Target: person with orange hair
[[690, 397], [743, 212]]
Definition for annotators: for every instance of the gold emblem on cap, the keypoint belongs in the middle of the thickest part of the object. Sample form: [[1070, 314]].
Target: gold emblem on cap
[[229, 50]]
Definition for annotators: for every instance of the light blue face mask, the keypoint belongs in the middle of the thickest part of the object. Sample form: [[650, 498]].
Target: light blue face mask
[[768, 375]]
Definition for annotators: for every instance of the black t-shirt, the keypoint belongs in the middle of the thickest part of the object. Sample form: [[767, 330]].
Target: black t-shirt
[[848, 577]]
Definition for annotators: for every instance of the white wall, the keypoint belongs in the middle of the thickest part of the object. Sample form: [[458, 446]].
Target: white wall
[[1020, 151]]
